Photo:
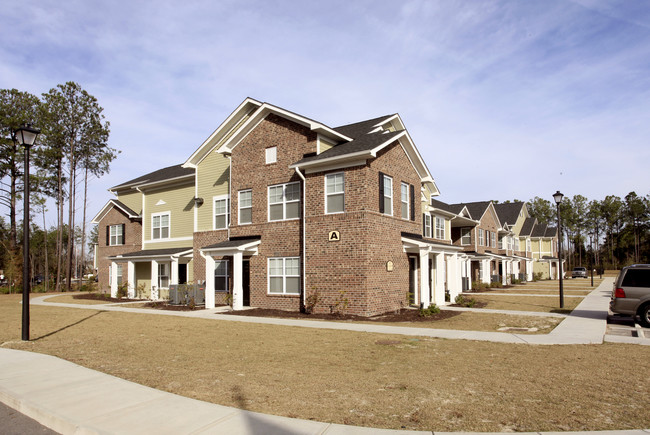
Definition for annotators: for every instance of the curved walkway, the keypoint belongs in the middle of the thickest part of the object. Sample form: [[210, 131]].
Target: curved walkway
[[71, 399], [585, 325]]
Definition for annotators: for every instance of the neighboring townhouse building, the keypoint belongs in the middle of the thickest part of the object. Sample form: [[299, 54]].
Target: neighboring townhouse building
[[512, 216], [282, 212], [544, 251]]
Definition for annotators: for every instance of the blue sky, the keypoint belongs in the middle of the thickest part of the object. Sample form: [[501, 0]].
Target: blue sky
[[504, 99]]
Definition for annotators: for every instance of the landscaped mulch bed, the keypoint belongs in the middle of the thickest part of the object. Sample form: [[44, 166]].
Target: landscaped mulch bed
[[403, 315], [147, 304], [165, 306], [104, 297]]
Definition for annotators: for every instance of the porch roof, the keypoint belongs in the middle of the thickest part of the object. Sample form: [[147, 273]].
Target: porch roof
[[234, 244], [153, 254]]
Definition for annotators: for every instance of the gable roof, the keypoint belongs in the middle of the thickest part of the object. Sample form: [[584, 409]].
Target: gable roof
[[539, 230], [508, 212], [551, 232], [476, 209], [357, 129], [161, 175], [527, 227], [120, 206]]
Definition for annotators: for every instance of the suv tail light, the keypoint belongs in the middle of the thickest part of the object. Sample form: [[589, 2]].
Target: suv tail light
[[619, 293]]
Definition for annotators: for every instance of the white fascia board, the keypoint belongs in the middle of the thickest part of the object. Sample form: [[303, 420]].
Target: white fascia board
[[161, 183], [336, 165], [416, 160], [252, 246], [107, 207], [442, 212], [201, 151], [358, 155]]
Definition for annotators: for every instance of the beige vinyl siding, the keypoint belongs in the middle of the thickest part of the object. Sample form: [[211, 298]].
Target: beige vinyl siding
[[324, 145], [143, 278], [213, 177], [425, 204], [132, 199], [179, 201], [190, 271]]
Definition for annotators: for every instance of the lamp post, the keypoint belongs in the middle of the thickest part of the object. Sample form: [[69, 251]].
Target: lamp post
[[557, 196], [26, 136]]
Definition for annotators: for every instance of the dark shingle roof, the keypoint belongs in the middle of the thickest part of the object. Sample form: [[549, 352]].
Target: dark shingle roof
[[363, 143], [476, 209], [233, 243], [154, 252], [527, 227], [360, 128], [452, 208], [508, 212], [159, 175], [551, 232], [539, 230]]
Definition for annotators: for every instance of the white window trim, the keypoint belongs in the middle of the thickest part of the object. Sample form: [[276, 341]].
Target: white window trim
[[443, 229], [240, 208], [469, 234], [284, 276], [388, 212], [214, 212], [167, 266], [408, 200], [169, 233], [274, 156], [284, 202], [493, 239], [428, 232], [227, 275], [110, 235], [481, 237], [327, 194]]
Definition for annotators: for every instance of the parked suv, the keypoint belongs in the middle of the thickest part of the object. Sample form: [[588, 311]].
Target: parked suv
[[579, 272], [631, 293]]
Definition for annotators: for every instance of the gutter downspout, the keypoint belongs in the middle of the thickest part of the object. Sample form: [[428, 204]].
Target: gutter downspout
[[229, 194], [304, 243]]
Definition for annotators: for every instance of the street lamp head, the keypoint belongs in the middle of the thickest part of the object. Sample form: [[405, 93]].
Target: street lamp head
[[557, 196], [26, 135]]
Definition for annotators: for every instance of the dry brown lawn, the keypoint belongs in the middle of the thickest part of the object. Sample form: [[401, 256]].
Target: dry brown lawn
[[69, 299], [348, 377], [528, 303]]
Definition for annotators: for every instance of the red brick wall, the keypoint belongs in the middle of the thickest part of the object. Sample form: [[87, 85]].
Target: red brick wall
[[132, 243]]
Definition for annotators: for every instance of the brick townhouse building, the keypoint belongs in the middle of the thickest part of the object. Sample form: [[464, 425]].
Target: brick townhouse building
[[277, 210]]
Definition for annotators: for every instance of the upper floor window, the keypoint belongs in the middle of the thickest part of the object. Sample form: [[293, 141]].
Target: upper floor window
[[160, 226], [284, 275], [426, 217], [386, 194], [405, 200], [440, 228], [335, 193], [528, 249], [115, 235], [284, 201], [245, 206], [493, 237], [481, 237], [465, 236], [221, 212], [501, 245], [271, 155]]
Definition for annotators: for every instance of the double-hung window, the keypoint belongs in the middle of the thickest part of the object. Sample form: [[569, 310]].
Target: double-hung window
[[405, 200], [119, 275], [163, 275], [440, 228], [160, 226], [335, 193], [221, 212], [116, 235], [528, 248], [465, 236], [388, 195], [245, 206], [493, 236], [427, 224], [481, 237], [284, 201], [284, 275], [221, 275]]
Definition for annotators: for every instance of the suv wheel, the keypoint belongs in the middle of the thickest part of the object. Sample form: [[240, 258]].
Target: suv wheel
[[644, 314]]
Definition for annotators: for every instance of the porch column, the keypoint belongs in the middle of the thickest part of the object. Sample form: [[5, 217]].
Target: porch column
[[486, 271], [454, 279], [504, 269], [237, 282], [529, 270], [154, 280], [425, 291], [173, 279], [209, 281], [113, 279], [439, 283], [468, 272], [131, 278]]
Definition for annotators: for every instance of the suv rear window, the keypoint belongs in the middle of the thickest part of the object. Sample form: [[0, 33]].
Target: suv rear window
[[637, 278]]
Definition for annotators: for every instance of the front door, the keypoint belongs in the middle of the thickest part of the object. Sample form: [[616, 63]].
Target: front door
[[246, 282], [413, 279], [182, 273]]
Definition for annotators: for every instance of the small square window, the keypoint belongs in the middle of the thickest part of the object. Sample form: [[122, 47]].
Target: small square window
[[271, 155]]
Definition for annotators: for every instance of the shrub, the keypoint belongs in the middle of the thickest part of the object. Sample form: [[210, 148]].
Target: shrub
[[122, 290], [478, 286], [496, 284], [463, 302], [430, 311], [537, 276], [311, 301]]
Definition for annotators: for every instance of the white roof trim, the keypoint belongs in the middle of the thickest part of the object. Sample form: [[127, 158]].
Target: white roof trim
[[234, 249], [109, 204]]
